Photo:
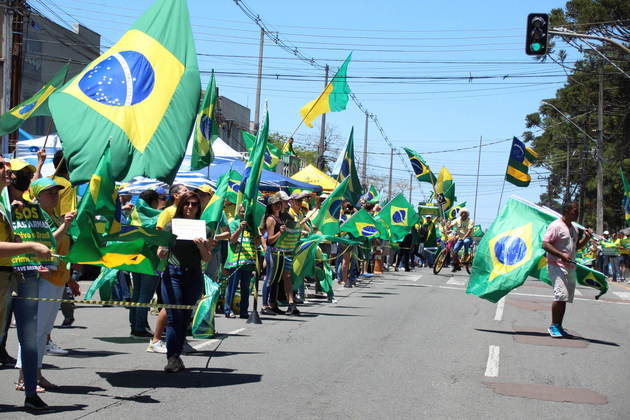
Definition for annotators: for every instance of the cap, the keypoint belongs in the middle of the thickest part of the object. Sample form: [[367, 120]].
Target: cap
[[276, 198], [606, 232], [206, 188], [43, 184], [17, 164], [464, 210], [324, 195]]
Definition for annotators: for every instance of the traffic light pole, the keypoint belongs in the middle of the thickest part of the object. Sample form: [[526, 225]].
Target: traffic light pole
[[599, 212]]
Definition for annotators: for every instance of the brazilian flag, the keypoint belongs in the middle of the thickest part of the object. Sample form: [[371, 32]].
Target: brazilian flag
[[213, 212], [372, 196], [206, 129], [34, 106], [585, 276], [144, 215], [400, 217], [129, 248], [420, 167], [509, 250], [273, 154], [626, 196], [141, 96], [304, 259], [327, 219], [521, 158], [453, 212], [345, 168], [361, 225], [234, 183]]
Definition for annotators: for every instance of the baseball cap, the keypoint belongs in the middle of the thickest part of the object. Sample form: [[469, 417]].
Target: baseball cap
[[206, 188], [18, 164], [43, 184], [283, 196]]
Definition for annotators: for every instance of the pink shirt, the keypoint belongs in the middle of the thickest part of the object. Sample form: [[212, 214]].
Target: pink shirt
[[563, 239]]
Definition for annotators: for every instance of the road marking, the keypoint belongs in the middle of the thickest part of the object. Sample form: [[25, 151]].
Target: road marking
[[528, 294], [492, 367], [236, 331], [623, 295], [206, 343], [498, 315], [578, 293], [418, 278], [456, 282]]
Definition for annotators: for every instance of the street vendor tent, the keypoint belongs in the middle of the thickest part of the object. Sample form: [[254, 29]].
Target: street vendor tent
[[312, 175], [269, 181]]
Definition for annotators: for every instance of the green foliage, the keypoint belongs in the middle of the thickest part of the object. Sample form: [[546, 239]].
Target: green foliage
[[308, 154], [578, 100]]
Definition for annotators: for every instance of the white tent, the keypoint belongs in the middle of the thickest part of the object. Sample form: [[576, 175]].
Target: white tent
[[219, 147]]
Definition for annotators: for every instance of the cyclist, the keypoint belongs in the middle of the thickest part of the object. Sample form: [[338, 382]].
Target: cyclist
[[463, 229]]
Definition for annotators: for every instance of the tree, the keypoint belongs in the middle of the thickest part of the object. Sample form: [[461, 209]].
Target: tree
[[560, 141]]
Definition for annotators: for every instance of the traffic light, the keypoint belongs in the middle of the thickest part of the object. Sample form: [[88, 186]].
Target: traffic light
[[536, 39]]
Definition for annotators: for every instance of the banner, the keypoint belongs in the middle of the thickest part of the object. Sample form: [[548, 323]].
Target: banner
[[29, 224]]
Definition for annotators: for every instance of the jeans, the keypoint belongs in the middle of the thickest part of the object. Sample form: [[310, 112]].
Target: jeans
[[615, 265], [465, 242], [120, 288], [26, 322], [429, 255], [7, 285], [144, 286], [180, 286], [238, 276], [46, 315]]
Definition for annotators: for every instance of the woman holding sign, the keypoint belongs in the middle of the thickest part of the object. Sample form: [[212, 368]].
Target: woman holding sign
[[182, 281]]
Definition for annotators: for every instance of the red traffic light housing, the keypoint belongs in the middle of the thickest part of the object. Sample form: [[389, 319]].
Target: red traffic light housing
[[536, 37]]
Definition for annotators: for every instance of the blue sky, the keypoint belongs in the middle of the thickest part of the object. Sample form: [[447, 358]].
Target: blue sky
[[427, 49]]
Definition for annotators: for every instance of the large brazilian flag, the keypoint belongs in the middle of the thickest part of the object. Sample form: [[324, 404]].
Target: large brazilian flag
[[509, 251], [141, 96]]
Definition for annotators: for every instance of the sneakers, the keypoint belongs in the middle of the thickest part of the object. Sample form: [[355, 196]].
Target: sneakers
[[564, 333], [555, 331], [54, 350], [174, 364], [35, 403], [67, 323], [156, 347], [6, 360], [293, 310]]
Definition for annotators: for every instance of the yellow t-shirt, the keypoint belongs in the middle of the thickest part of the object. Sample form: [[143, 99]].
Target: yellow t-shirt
[[67, 197], [166, 216]]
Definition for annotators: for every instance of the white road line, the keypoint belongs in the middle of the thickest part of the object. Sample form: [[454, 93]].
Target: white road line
[[417, 278], [498, 315], [237, 331], [623, 295], [456, 282], [206, 343], [492, 367], [578, 293], [530, 294]]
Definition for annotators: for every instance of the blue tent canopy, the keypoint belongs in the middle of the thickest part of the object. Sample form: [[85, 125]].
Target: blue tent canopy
[[270, 181]]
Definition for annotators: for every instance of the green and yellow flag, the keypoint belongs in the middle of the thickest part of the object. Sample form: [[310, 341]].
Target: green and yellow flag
[[626, 196], [206, 129], [36, 105], [346, 168], [144, 215], [273, 154], [400, 216], [585, 276], [234, 183], [372, 196], [361, 225], [521, 158], [213, 212], [327, 219], [453, 212], [141, 96], [420, 167], [333, 99], [510, 249]]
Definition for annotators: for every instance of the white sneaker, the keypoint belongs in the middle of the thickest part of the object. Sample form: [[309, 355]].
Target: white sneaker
[[54, 350], [156, 347]]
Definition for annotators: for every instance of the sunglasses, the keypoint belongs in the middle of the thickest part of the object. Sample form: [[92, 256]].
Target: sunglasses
[[191, 204]]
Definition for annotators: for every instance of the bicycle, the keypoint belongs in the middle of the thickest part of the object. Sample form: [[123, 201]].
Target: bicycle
[[443, 257]]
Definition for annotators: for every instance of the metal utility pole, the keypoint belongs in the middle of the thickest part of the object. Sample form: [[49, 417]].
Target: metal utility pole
[[477, 182], [599, 215], [322, 134], [410, 187], [567, 196], [364, 174], [259, 81], [391, 167], [7, 43], [17, 58]]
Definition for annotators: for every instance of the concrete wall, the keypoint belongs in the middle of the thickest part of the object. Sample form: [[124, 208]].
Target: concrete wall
[[233, 117]]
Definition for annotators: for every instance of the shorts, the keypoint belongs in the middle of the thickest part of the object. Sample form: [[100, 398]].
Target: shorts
[[288, 263], [563, 281]]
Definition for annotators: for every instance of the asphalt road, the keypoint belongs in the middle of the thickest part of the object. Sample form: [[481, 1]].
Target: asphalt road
[[402, 345]]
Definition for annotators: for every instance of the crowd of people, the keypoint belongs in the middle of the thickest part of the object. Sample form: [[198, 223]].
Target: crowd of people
[[231, 254]]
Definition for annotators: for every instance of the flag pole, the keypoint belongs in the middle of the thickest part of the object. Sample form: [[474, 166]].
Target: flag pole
[[503, 186], [312, 107]]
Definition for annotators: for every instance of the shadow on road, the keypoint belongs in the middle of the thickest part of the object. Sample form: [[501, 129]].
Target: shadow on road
[[381, 293], [372, 297], [272, 318], [75, 389], [5, 408], [121, 340], [543, 334], [201, 378], [81, 354]]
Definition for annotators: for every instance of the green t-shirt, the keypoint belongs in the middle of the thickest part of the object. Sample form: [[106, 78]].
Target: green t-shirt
[[241, 252]]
